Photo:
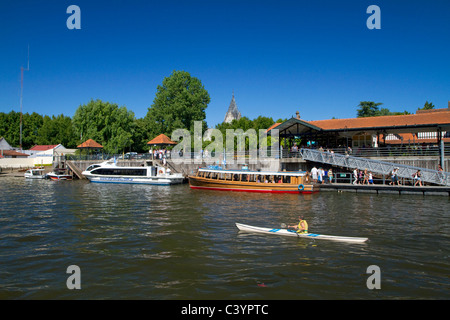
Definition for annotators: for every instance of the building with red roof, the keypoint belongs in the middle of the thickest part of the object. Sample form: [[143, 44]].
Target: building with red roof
[[430, 127]]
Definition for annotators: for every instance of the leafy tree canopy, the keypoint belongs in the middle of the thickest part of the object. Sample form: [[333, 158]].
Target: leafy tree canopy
[[368, 109], [179, 102], [107, 123], [371, 109], [427, 106]]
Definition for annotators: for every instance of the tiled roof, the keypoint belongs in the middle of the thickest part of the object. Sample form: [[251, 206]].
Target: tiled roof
[[12, 153], [273, 126], [422, 119], [90, 144], [161, 139], [43, 147]]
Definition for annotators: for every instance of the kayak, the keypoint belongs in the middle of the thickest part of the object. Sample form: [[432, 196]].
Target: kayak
[[292, 233]]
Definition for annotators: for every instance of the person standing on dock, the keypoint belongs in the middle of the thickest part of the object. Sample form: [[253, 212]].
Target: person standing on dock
[[314, 173], [355, 175], [417, 179], [370, 181], [394, 177]]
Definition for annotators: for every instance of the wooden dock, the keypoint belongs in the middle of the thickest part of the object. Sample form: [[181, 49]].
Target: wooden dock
[[387, 189]]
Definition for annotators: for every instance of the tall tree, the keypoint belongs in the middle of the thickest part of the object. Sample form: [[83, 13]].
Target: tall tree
[[57, 130], [179, 101], [107, 123], [9, 127], [368, 109]]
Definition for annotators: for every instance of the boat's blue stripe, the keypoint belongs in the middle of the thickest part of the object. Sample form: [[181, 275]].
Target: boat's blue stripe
[[313, 235], [274, 230], [124, 182]]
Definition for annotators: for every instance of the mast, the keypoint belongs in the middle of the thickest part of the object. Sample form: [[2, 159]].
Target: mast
[[21, 93]]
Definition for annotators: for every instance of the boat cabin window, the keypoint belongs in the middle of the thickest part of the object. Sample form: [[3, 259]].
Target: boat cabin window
[[120, 172], [92, 166]]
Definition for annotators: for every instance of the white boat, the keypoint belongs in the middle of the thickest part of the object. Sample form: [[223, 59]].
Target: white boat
[[293, 233], [35, 173], [110, 172], [56, 176]]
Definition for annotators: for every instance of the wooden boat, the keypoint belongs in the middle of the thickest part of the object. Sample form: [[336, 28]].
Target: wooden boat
[[215, 178], [293, 233]]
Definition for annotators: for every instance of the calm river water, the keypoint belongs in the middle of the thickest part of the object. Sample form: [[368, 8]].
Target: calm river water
[[153, 242]]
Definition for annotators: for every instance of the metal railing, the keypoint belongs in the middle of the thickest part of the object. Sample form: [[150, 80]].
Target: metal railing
[[380, 152], [375, 166]]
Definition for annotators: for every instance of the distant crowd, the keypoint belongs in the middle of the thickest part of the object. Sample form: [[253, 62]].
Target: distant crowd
[[320, 175]]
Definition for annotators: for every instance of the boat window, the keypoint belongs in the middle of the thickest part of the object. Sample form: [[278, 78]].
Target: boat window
[[120, 172], [93, 166]]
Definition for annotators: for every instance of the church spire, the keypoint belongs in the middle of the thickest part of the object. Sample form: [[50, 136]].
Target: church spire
[[233, 112]]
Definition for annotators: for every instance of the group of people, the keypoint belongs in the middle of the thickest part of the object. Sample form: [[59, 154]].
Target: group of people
[[322, 176], [417, 178], [159, 154], [362, 177]]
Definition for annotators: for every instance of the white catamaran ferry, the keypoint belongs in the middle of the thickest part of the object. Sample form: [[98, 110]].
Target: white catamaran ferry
[[109, 172]]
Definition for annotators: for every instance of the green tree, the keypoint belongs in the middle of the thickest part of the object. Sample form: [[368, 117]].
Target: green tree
[[427, 106], [9, 127], [107, 123], [140, 137], [179, 102], [368, 109], [57, 130], [245, 124]]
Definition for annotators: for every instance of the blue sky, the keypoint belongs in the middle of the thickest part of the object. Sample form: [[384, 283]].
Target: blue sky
[[317, 57]]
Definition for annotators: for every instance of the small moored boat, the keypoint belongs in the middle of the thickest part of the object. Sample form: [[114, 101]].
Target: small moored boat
[[293, 233], [216, 178], [35, 173], [59, 174]]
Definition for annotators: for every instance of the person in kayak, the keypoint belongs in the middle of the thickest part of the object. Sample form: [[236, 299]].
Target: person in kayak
[[302, 226]]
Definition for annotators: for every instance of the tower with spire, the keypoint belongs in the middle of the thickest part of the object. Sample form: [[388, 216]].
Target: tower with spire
[[233, 113]]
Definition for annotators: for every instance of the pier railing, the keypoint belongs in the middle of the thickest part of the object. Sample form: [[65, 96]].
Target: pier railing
[[375, 166], [379, 152]]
